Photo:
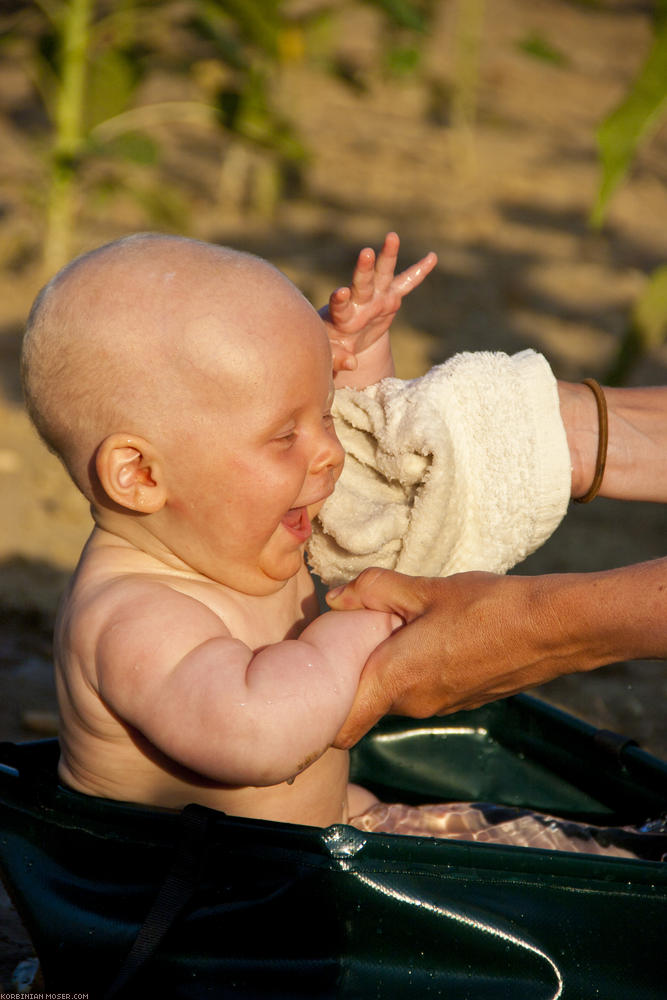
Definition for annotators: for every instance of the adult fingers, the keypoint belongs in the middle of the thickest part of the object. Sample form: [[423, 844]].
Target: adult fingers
[[369, 706], [391, 683], [382, 590]]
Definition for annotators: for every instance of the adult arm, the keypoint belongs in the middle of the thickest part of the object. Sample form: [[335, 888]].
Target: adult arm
[[637, 454], [475, 637]]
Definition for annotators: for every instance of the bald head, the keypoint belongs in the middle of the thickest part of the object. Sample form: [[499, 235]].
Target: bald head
[[123, 338]]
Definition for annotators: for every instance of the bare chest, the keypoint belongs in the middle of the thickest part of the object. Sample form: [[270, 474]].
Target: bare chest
[[265, 620]]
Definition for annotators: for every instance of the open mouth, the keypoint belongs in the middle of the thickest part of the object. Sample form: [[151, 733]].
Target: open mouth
[[297, 522]]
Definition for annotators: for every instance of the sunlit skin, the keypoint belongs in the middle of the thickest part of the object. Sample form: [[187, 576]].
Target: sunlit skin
[[191, 663]]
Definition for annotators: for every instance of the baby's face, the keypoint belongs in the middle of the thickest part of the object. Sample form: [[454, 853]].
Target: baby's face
[[262, 455]]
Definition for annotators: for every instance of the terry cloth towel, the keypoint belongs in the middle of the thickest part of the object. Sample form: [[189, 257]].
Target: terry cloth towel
[[464, 468]]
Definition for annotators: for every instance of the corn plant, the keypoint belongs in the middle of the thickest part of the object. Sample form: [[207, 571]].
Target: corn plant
[[73, 23], [647, 328], [89, 59], [634, 120], [619, 137], [467, 48]]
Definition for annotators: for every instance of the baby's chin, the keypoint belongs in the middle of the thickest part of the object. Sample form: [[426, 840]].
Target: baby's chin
[[281, 559], [314, 508], [270, 577]]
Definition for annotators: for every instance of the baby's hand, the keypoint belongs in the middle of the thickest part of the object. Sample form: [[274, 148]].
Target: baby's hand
[[359, 315]]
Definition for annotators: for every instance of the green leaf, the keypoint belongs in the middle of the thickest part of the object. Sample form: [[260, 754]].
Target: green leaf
[[112, 83], [259, 21], [229, 105], [647, 329], [631, 122], [538, 47], [650, 311], [403, 13], [402, 60], [163, 204], [209, 24], [247, 112], [134, 146]]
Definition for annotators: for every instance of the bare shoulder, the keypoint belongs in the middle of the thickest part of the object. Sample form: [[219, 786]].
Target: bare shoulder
[[114, 616]]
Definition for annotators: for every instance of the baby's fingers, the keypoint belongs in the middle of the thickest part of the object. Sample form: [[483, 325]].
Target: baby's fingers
[[340, 305], [375, 274], [414, 275], [386, 261], [342, 359], [363, 278]]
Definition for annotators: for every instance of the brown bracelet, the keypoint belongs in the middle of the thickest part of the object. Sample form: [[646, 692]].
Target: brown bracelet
[[603, 437]]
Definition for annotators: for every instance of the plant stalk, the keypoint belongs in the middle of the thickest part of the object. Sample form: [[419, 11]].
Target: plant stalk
[[69, 131]]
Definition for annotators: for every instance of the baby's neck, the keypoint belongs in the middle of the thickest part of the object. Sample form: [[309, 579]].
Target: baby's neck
[[132, 534], [255, 620]]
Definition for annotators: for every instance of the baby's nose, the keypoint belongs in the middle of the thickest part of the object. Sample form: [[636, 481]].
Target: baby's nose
[[330, 452]]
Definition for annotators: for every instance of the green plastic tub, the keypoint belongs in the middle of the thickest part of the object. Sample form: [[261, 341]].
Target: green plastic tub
[[242, 908]]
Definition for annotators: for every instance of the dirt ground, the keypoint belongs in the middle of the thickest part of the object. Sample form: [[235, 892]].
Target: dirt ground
[[505, 207]]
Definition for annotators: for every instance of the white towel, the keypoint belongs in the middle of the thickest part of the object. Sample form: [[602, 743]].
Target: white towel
[[465, 468]]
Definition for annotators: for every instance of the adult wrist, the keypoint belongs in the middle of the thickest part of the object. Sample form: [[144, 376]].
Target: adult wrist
[[579, 414]]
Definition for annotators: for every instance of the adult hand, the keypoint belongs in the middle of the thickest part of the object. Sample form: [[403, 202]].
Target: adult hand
[[455, 651], [474, 637]]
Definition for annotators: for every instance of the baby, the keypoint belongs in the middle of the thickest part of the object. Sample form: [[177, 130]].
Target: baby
[[187, 388]]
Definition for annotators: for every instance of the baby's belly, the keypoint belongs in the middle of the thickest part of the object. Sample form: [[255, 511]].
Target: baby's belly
[[316, 797]]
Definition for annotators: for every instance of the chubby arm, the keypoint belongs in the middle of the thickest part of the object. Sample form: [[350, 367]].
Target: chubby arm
[[637, 456], [475, 637], [231, 714], [358, 317]]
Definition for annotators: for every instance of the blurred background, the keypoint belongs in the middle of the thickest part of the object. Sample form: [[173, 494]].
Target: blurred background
[[523, 140]]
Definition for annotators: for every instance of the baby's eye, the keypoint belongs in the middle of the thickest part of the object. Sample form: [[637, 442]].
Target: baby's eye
[[289, 437]]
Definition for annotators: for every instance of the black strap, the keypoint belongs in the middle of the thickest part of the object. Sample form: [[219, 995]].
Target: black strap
[[173, 895]]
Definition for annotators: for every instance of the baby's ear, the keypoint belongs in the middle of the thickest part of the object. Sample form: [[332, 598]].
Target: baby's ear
[[129, 472]]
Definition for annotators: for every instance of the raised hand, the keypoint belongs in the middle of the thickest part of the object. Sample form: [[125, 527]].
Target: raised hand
[[359, 315]]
